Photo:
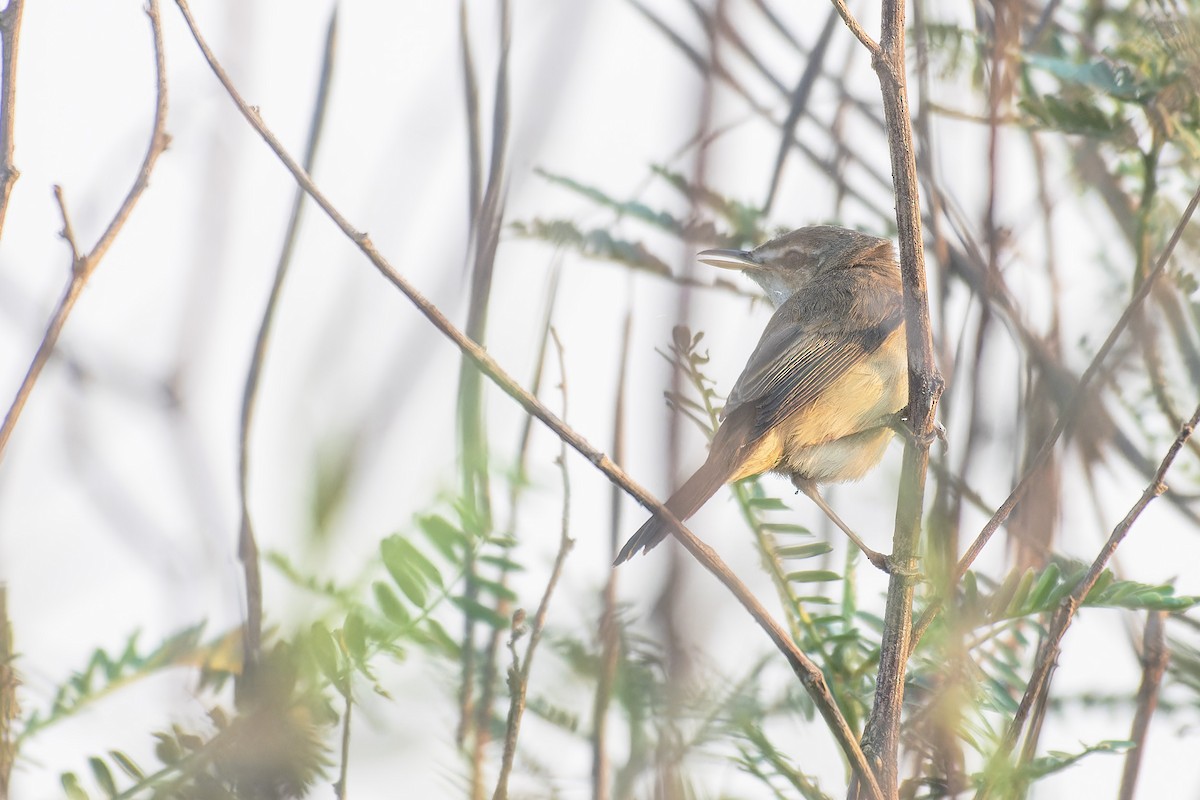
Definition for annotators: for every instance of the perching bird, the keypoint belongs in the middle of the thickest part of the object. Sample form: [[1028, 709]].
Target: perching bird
[[819, 396]]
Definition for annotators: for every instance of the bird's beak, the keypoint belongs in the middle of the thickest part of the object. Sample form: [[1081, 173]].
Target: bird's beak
[[729, 259]]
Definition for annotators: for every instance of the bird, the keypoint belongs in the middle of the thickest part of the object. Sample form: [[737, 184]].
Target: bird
[[821, 394]]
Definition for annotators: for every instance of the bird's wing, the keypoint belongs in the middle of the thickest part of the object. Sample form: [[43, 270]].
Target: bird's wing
[[796, 360]]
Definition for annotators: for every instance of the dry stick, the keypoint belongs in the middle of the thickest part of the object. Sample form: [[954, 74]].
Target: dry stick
[[804, 668], [10, 29], [1065, 613], [1067, 417], [1154, 663], [84, 264], [518, 680], [609, 643], [491, 655], [882, 732], [247, 544]]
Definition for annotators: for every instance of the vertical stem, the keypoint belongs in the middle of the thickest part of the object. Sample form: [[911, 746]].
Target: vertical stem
[[881, 736], [10, 29]]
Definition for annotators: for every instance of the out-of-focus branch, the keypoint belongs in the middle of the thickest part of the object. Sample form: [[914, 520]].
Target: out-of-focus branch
[[10, 30], [1065, 419], [925, 384], [1155, 656], [518, 675], [809, 673], [84, 264], [1048, 655], [247, 546]]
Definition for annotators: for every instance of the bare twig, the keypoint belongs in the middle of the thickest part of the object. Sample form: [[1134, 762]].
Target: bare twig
[[799, 101], [83, 265], [1065, 613], [10, 30], [1155, 656], [247, 545], [1065, 419], [872, 46], [518, 679], [489, 669], [809, 673]]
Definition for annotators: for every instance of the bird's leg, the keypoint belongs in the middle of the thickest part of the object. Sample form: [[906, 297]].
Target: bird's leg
[[880, 561], [900, 424]]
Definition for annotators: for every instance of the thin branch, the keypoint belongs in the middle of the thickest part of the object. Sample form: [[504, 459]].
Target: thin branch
[[882, 732], [518, 679], [83, 265], [1079, 396], [809, 673], [1155, 656], [247, 545], [1065, 613], [799, 101], [10, 30], [858, 31]]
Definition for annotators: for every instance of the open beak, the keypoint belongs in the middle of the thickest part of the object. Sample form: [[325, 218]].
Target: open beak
[[729, 259]]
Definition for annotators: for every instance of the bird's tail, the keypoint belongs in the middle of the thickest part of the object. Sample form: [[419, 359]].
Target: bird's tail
[[685, 502]]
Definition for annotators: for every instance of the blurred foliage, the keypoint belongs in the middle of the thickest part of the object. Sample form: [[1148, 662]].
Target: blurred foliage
[[1123, 83]]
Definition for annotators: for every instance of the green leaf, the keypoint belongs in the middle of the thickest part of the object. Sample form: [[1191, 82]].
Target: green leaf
[[786, 527], [70, 784], [767, 503], [496, 589], [126, 764], [478, 611], [395, 550], [804, 550], [503, 563], [390, 605], [438, 637], [1101, 75], [324, 651], [443, 535], [167, 749], [354, 632], [595, 243], [813, 576], [103, 775], [1045, 586]]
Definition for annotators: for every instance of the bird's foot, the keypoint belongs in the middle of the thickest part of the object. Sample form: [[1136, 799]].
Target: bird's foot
[[902, 425]]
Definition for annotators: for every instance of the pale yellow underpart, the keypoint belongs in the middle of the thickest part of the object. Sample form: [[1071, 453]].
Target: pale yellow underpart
[[844, 432]]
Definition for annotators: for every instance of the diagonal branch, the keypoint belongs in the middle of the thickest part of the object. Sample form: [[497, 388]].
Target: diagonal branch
[[84, 264], [1065, 613], [1068, 416], [805, 669]]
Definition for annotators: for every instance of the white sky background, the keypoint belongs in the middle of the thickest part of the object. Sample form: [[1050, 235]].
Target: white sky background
[[118, 515]]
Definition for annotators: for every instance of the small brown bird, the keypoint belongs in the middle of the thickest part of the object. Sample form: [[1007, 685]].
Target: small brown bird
[[821, 391]]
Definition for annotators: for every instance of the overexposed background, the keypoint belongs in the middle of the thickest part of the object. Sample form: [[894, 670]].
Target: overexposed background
[[118, 491]]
